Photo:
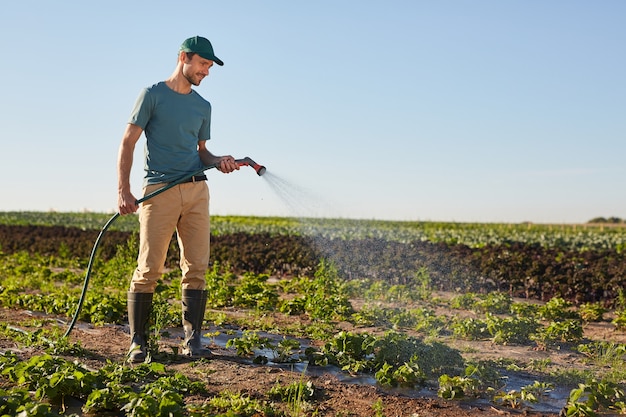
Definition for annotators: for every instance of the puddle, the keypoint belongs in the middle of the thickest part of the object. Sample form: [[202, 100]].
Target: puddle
[[552, 402]]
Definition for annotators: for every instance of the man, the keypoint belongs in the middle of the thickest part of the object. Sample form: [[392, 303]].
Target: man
[[176, 121]]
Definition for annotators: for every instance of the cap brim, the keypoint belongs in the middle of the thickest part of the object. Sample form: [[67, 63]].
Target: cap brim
[[212, 58]]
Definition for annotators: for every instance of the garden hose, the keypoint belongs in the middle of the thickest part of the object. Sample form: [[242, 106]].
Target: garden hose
[[260, 170]]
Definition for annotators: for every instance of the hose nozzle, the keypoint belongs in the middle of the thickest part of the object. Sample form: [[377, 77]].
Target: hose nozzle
[[260, 169]]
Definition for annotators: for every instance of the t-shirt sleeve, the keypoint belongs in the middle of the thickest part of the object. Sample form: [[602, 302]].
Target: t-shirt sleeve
[[142, 111]]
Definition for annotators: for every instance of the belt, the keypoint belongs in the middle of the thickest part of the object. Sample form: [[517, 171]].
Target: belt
[[195, 178]]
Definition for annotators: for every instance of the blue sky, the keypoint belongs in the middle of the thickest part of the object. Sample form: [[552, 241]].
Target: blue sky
[[459, 110]]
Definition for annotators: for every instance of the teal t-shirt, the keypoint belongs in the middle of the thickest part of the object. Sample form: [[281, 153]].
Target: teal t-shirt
[[173, 123]]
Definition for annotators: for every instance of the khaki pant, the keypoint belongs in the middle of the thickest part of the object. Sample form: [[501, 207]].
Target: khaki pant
[[185, 209]]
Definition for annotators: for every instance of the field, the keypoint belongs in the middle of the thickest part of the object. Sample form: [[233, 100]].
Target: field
[[321, 317]]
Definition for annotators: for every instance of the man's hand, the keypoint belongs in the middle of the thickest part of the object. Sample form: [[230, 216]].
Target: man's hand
[[227, 164], [126, 203]]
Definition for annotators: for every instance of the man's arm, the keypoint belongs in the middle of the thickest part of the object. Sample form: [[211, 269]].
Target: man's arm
[[126, 201], [225, 163]]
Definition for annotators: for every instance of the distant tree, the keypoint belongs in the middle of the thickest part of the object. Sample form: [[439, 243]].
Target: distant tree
[[613, 220]]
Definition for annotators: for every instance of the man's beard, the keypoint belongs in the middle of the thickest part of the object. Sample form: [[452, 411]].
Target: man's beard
[[193, 80]]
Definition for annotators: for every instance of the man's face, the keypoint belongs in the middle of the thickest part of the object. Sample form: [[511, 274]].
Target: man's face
[[196, 68]]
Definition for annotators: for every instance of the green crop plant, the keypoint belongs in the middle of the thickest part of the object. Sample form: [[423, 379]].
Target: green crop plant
[[101, 308], [592, 312], [538, 389], [285, 350], [376, 290], [620, 310], [477, 380], [595, 397], [369, 316], [539, 365], [463, 301], [326, 296], [52, 341], [146, 389], [378, 408], [293, 306], [620, 320], [409, 361], [422, 284], [455, 387], [419, 319], [608, 357], [396, 349], [474, 235], [384, 317], [428, 322], [220, 286], [228, 403], [559, 332], [470, 329], [525, 396], [571, 377], [402, 318], [516, 330], [323, 298], [112, 396], [495, 303], [297, 395], [512, 399], [557, 309], [115, 273], [525, 309], [604, 353], [418, 288], [407, 374], [18, 402], [48, 377], [248, 342], [254, 292], [349, 351]]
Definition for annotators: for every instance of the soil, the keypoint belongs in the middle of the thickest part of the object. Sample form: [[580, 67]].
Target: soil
[[334, 395]]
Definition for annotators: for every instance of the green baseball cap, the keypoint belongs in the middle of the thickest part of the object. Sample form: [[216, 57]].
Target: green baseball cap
[[202, 47]]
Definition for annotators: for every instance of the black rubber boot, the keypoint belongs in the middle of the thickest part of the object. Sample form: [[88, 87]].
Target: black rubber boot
[[194, 304], [139, 308]]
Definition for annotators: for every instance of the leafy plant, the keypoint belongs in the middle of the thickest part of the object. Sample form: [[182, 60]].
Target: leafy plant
[[325, 295], [229, 403], [525, 396], [254, 291], [495, 303], [591, 312], [296, 395], [557, 308], [567, 331], [620, 320], [248, 342], [593, 397], [507, 330], [477, 380]]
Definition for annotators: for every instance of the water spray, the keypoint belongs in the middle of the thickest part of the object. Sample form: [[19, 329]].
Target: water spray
[[247, 161]]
